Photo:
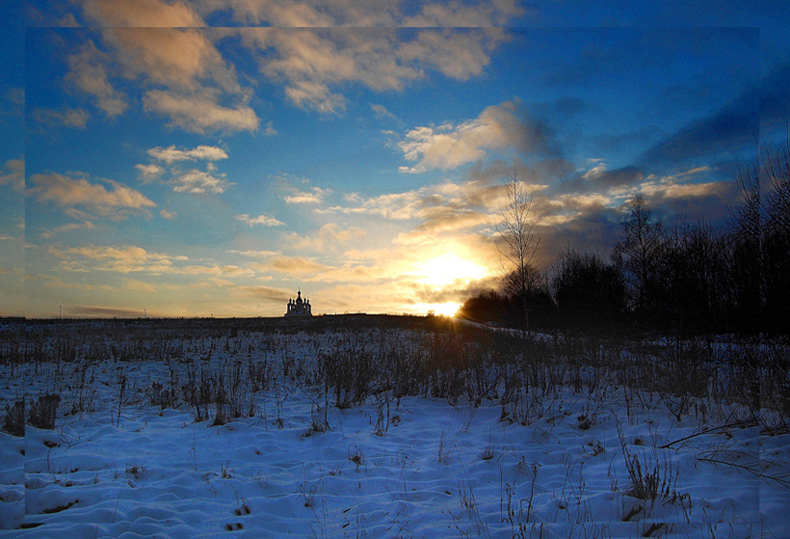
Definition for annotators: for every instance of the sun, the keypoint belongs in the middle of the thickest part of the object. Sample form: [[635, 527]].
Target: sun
[[449, 308], [448, 268]]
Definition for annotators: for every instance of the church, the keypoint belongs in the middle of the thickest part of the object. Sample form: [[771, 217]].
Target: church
[[299, 307]]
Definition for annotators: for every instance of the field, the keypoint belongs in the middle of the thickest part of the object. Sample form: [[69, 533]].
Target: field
[[387, 427]]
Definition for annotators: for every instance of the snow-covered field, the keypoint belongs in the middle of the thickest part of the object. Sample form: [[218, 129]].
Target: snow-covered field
[[455, 457]]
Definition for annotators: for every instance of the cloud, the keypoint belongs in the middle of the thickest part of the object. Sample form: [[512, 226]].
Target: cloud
[[184, 76], [67, 117], [315, 195], [314, 63], [177, 58], [90, 311], [200, 112], [382, 113], [679, 186], [124, 259], [70, 227], [88, 72], [72, 193], [456, 14], [199, 182], [498, 128], [296, 265], [149, 172], [267, 293], [142, 13], [255, 254], [734, 128], [168, 214], [379, 13], [135, 259], [171, 154], [263, 220], [13, 174], [329, 237], [599, 178]]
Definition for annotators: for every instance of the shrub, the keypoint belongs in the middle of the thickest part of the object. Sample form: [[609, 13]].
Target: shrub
[[14, 423], [43, 411]]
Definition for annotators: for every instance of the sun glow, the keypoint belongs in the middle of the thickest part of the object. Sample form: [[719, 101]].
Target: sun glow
[[440, 309], [448, 268]]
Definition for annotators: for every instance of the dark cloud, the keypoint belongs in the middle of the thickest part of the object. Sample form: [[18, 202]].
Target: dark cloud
[[267, 293], [87, 311], [596, 231], [599, 179], [732, 130]]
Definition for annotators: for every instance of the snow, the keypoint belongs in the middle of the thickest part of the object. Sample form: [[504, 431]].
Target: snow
[[418, 466]]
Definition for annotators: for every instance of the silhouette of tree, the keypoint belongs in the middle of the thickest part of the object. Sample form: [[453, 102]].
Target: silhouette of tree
[[637, 255], [518, 242]]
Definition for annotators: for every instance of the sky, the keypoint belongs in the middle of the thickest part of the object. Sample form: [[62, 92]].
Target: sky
[[214, 157]]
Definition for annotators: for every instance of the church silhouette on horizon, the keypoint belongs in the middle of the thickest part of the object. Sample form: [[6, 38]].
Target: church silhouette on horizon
[[299, 307]]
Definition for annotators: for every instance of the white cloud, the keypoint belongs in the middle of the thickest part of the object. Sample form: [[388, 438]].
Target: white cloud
[[448, 146], [166, 214], [71, 193], [313, 63], [200, 111], [315, 195], [13, 174], [181, 59], [70, 227], [142, 13], [149, 172], [382, 113], [88, 72], [259, 220], [328, 237], [67, 116], [171, 154], [378, 13], [199, 182]]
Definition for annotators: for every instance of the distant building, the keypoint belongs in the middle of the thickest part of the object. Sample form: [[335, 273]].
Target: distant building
[[299, 307]]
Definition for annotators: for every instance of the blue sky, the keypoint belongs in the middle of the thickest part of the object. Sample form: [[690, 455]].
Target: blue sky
[[245, 150]]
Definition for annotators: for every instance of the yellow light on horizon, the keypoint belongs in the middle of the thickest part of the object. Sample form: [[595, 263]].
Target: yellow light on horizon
[[448, 268], [449, 308]]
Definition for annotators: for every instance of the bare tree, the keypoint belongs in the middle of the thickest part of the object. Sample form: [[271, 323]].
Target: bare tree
[[638, 252], [518, 242]]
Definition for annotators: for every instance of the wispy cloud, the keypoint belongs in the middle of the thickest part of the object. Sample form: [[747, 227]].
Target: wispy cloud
[[78, 193]]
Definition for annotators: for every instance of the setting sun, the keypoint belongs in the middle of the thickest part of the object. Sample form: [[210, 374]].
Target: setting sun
[[448, 268], [440, 309]]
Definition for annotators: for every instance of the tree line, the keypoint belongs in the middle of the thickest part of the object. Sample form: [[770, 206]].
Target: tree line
[[685, 278]]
